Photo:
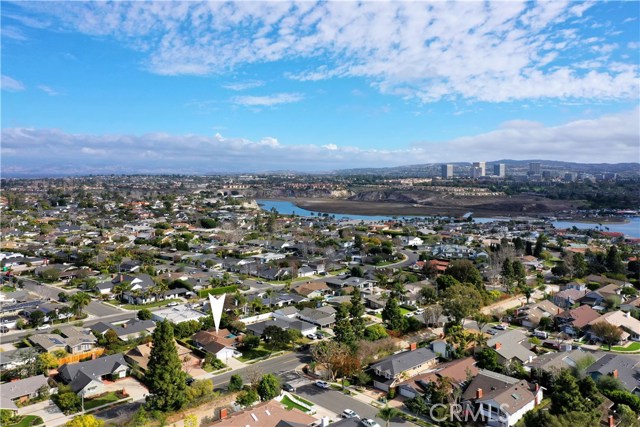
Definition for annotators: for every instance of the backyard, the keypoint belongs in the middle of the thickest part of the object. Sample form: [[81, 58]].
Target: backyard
[[101, 400]]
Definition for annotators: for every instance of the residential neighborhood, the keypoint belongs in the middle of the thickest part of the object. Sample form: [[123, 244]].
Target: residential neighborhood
[[324, 320]]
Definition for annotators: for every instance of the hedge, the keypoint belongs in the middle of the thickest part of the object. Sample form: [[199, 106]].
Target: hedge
[[218, 291]]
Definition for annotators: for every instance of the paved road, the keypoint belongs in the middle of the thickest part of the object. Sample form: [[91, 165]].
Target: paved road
[[337, 402], [45, 291], [277, 365], [100, 309]]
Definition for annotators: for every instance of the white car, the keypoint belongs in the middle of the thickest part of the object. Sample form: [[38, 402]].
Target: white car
[[312, 336], [322, 384], [348, 413], [43, 327], [172, 304], [368, 422], [419, 311], [501, 327]]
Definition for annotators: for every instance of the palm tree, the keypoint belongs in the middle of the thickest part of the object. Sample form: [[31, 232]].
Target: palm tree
[[79, 300], [388, 413], [122, 288]]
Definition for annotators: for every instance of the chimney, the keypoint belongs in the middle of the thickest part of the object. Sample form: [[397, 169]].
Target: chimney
[[413, 346], [223, 413], [479, 393], [612, 423], [498, 346], [614, 374]]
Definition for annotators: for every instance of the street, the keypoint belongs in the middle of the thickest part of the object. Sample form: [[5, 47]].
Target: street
[[337, 402]]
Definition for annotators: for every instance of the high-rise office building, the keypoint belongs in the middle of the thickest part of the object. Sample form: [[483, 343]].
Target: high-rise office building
[[476, 172], [446, 171], [481, 165], [500, 170], [535, 168]]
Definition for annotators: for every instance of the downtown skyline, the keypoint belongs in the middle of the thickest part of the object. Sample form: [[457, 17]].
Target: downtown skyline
[[190, 87]]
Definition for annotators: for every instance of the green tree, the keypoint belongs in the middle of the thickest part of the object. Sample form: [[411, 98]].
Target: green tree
[[464, 271], [519, 272], [45, 362], [235, 383], [537, 250], [566, 396], [461, 301], [85, 421], [343, 329], [614, 261], [445, 281], [36, 318], [488, 359], [507, 273], [276, 338], [392, 315], [144, 314], [375, 332], [356, 271], [356, 311], [247, 397], [249, 342], [268, 387], [607, 332], [628, 418], [388, 413], [164, 375]]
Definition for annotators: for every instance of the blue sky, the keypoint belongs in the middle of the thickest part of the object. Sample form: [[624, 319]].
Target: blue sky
[[194, 87]]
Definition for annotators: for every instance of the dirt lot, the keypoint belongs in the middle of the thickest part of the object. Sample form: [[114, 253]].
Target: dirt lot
[[450, 206]]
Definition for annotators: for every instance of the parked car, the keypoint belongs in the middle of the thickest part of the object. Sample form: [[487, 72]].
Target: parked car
[[541, 334], [419, 311], [368, 422], [288, 387], [172, 304], [312, 336], [492, 332], [43, 327], [322, 384], [501, 327], [190, 380], [319, 335], [348, 413]]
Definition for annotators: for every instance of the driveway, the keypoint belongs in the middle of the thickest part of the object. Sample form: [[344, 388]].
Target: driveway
[[100, 309], [132, 386], [47, 410]]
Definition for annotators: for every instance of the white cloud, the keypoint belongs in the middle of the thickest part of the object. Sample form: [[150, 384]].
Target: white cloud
[[268, 100], [239, 86], [49, 91], [487, 51], [10, 84], [612, 138]]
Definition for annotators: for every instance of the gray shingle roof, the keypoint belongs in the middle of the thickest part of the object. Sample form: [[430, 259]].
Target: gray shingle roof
[[91, 369], [396, 364]]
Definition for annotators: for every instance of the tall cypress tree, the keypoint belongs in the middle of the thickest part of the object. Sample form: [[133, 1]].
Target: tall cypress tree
[[164, 376], [356, 311]]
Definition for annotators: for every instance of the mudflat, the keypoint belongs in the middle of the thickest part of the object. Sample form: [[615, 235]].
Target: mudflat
[[480, 206]]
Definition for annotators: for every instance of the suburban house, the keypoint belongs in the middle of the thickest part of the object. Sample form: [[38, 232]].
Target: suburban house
[[126, 331], [22, 391], [567, 298], [630, 326], [53, 342], [530, 315], [12, 359], [458, 371], [267, 414], [285, 323], [85, 378], [221, 344], [573, 320], [555, 361], [624, 367], [512, 345], [178, 314], [501, 400], [393, 369], [140, 356], [323, 317], [313, 290]]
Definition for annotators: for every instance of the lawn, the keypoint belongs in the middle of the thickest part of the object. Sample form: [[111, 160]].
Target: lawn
[[290, 404], [99, 401], [255, 353], [6, 288], [150, 305], [404, 311], [635, 346], [27, 421]]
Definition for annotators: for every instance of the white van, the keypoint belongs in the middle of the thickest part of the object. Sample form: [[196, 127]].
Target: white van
[[541, 334]]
